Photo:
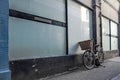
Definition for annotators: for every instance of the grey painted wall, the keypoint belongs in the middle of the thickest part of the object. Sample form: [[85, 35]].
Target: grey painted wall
[[114, 3], [86, 2], [109, 12]]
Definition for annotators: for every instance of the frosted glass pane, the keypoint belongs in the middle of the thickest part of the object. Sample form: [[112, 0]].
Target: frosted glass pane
[[114, 43], [79, 25], [54, 9], [114, 28], [86, 23], [105, 26], [29, 39], [106, 43]]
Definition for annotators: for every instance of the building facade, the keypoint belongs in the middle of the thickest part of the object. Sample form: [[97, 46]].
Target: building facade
[[44, 35]]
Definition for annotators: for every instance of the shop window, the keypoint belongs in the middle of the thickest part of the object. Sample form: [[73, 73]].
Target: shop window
[[79, 25], [114, 36], [37, 28], [109, 35]]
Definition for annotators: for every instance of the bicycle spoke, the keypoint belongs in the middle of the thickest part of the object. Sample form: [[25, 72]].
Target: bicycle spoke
[[88, 59]]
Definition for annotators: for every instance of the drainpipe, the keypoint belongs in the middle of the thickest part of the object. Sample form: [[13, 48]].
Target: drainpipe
[[4, 64], [97, 22], [119, 29], [66, 19], [100, 16], [94, 22]]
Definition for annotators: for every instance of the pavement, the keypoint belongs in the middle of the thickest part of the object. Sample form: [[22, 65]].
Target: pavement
[[116, 77], [109, 71]]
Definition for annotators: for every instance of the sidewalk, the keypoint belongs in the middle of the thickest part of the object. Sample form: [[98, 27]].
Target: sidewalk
[[110, 71], [116, 77]]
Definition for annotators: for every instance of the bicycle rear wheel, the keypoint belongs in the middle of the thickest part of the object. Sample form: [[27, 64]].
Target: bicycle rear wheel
[[88, 59], [101, 56]]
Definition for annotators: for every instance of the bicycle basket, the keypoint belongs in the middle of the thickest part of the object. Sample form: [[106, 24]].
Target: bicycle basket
[[88, 44]]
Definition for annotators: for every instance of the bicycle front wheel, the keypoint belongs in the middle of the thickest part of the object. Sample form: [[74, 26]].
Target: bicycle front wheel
[[88, 59], [101, 56]]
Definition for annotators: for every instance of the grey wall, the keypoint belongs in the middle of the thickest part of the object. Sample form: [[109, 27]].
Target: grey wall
[[86, 2], [114, 3], [110, 12]]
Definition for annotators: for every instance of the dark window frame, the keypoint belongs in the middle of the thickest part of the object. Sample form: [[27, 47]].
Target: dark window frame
[[31, 17]]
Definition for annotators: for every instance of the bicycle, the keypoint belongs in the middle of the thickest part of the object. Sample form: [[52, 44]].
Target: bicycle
[[93, 56]]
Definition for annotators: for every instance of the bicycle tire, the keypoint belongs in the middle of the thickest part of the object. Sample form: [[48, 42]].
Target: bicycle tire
[[89, 56], [101, 56]]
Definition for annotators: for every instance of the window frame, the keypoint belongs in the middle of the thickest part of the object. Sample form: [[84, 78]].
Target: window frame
[[110, 35]]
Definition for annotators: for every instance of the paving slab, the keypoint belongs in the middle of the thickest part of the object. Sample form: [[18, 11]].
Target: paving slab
[[109, 71], [116, 77]]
